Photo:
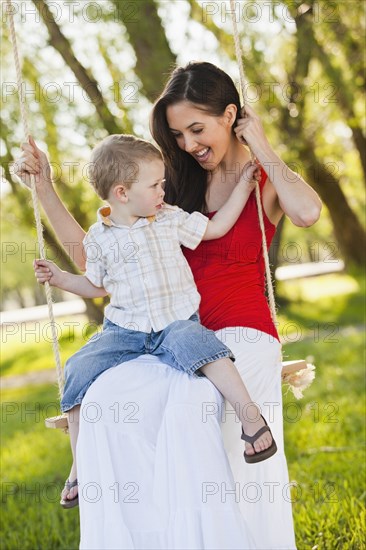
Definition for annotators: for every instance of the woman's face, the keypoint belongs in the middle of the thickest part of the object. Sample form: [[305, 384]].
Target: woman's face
[[204, 136]]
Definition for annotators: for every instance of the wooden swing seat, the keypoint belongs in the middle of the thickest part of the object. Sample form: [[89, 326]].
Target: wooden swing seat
[[289, 367], [59, 422]]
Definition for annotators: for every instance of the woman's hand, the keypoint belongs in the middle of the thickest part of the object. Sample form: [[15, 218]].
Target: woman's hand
[[46, 271], [249, 129], [34, 162]]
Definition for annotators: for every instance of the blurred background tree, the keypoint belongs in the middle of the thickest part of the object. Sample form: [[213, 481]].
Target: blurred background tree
[[95, 68]]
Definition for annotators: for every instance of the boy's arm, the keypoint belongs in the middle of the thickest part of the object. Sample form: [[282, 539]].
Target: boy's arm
[[227, 215], [78, 284]]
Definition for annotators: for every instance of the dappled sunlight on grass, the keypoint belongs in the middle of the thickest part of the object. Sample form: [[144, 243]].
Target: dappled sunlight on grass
[[320, 305], [24, 409], [30, 349], [310, 289], [26, 358]]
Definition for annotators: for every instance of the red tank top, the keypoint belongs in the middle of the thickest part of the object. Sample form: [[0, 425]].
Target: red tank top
[[229, 273]]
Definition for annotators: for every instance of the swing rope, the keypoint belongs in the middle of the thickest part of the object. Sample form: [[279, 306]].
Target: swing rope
[[239, 57], [37, 213]]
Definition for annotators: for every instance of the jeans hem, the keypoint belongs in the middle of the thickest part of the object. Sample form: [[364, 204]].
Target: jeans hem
[[65, 408], [209, 359]]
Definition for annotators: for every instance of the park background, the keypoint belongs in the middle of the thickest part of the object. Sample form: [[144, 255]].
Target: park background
[[94, 68]]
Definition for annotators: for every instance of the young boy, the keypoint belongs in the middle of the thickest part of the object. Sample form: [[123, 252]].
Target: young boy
[[134, 255]]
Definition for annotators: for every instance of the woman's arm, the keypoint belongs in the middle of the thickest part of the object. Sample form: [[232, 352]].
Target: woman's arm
[[285, 191], [77, 284], [34, 161]]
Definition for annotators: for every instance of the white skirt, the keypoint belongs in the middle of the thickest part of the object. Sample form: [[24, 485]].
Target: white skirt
[[160, 459]]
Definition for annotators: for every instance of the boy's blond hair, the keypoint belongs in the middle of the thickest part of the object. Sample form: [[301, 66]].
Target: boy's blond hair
[[115, 160]]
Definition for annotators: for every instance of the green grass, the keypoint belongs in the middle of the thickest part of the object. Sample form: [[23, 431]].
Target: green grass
[[34, 464], [28, 348], [325, 447], [320, 306], [324, 433]]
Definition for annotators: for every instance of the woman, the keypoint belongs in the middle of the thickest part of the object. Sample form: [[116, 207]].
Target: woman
[[153, 472]]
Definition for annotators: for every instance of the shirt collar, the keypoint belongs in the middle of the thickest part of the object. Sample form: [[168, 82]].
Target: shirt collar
[[105, 211]]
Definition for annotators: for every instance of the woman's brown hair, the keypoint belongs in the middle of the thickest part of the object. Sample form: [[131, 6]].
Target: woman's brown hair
[[210, 89]]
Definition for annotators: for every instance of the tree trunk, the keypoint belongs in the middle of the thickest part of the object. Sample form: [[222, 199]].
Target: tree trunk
[[349, 232], [346, 102], [355, 48], [154, 58], [350, 235]]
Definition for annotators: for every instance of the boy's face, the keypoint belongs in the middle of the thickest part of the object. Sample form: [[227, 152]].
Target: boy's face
[[146, 194]]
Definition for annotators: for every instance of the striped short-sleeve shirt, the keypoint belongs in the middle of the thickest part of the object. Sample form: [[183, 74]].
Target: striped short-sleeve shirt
[[143, 268]]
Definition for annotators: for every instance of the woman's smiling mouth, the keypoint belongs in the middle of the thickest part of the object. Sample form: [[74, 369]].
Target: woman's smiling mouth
[[202, 155]]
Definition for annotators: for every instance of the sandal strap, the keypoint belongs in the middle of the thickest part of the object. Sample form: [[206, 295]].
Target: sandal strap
[[253, 438], [70, 484]]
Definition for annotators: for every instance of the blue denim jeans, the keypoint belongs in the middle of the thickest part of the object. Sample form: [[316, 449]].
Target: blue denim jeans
[[185, 345]]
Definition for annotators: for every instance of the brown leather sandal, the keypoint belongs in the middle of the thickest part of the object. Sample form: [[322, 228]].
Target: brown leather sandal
[[261, 455], [70, 503]]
